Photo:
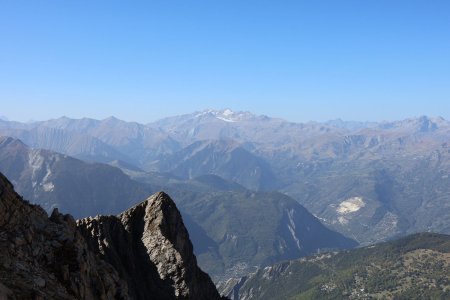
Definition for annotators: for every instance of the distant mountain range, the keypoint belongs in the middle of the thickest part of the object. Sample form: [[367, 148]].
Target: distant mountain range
[[223, 158], [234, 230], [370, 181], [56, 180]]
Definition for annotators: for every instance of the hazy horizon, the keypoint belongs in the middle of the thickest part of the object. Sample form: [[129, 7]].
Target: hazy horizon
[[300, 61], [6, 118]]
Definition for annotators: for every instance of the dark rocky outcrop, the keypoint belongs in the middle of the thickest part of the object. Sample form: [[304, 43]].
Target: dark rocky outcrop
[[48, 258], [144, 253], [150, 240]]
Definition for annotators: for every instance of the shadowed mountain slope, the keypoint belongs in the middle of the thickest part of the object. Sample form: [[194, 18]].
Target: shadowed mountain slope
[[56, 258], [55, 180], [234, 230]]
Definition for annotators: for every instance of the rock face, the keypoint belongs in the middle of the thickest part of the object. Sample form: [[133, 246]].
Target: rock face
[[54, 180], [150, 240], [48, 258], [144, 253]]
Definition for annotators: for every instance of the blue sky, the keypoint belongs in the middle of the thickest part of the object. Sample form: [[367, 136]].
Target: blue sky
[[299, 60]]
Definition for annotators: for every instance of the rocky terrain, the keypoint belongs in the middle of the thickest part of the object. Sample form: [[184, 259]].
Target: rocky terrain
[[368, 181], [414, 267], [399, 170], [51, 180], [276, 226], [226, 159], [243, 230], [143, 253]]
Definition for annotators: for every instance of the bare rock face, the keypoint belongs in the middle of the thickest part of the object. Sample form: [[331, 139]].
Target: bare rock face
[[149, 243], [143, 253], [48, 258]]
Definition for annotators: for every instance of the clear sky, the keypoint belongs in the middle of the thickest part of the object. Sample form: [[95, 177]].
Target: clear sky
[[299, 60]]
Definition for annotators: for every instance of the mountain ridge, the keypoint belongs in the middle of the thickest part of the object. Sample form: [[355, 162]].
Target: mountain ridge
[[212, 206], [318, 164], [55, 257]]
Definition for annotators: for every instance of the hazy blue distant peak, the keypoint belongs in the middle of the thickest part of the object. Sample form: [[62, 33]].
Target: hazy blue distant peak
[[350, 125], [421, 124], [86, 124], [117, 121], [113, 121], [66, 123], [437, 120], [111, 118], [4, 118]]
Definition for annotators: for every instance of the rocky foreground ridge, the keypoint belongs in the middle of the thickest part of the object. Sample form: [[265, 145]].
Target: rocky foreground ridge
[[143, 253]]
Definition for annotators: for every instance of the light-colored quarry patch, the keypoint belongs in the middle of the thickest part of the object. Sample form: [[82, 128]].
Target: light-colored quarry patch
[[350, 205]]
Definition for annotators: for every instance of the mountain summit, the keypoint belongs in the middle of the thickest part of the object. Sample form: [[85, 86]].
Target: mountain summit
[[143, 253], [149, 243], [226, 115]]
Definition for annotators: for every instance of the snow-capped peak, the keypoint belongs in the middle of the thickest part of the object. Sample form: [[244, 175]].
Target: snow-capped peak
[[226, 115], [227, 112]]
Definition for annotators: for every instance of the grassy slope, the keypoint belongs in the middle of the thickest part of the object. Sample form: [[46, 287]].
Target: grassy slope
[[415, 267]]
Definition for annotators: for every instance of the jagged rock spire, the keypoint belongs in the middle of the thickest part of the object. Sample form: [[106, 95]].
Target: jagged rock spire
[[143, 253]]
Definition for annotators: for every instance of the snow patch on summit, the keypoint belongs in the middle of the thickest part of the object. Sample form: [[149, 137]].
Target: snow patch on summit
[[227, 112], [226, 120], [226, 115]]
